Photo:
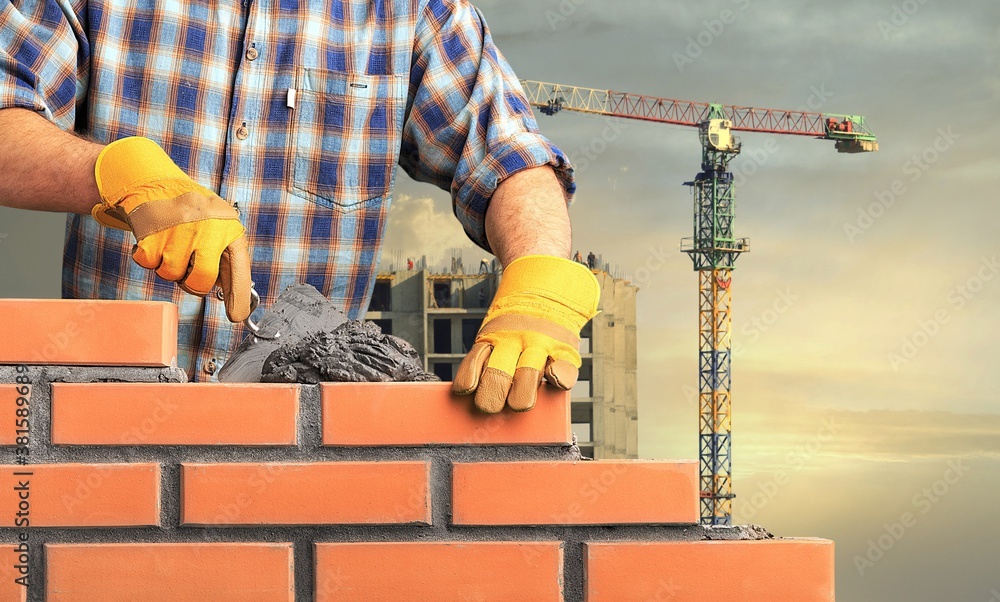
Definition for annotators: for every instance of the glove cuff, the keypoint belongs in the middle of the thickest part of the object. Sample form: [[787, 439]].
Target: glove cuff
[[126, 167], [568, 283]]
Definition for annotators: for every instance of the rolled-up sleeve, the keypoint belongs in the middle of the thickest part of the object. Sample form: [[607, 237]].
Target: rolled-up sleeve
[[469, 125], [44, 58]]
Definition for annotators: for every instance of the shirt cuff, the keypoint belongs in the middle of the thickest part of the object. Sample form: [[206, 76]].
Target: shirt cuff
[[18, 97], [520, 152]]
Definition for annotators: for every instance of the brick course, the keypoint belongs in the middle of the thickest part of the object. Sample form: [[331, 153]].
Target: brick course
[[575, 493], [81, 495], [168, 572], [419, 414], [53, 332], [755, 571], [173, 414], [317, 493], [443, 572]]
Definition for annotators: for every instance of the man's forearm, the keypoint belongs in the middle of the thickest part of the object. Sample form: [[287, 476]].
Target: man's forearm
[[45, 168], [528, 216]]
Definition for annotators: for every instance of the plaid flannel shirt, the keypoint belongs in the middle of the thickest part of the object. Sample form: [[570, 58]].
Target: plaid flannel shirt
[[297, 111]]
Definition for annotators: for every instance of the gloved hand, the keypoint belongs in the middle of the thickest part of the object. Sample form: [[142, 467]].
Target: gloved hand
[[184, 231], [531, 330]]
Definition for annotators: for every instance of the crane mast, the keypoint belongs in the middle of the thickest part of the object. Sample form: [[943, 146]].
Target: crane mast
[[714, 247]]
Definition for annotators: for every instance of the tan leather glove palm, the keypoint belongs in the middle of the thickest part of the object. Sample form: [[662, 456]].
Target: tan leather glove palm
[[184, 231], [531, 331]]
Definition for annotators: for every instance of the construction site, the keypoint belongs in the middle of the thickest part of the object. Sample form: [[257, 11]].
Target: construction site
[[602, 302]]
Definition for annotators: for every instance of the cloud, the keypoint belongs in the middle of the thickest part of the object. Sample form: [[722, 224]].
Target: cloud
[[879, 435], [425, 226]]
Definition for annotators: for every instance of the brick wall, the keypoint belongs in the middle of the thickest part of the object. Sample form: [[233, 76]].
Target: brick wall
[[130, 484]]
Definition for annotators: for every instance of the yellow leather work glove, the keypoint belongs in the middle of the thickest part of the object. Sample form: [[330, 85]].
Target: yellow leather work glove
[[184, 231], [531, 330]]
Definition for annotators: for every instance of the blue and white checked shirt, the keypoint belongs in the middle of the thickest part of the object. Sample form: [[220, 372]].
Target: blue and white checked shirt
[[297, 111]]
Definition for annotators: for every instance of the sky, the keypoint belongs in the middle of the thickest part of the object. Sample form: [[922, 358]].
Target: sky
[[865, 373]]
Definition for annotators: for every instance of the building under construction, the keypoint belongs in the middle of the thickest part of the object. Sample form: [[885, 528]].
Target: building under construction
[[439, 312]]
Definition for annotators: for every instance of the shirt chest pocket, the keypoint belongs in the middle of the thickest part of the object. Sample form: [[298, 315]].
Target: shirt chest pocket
[[346, 131]]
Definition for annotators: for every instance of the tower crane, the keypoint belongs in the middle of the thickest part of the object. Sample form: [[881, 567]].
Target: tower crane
[[714, 247]]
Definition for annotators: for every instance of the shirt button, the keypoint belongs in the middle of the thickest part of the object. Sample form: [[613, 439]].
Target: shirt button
[[252, 54], [211, 367], [242, 132], [219, 294]]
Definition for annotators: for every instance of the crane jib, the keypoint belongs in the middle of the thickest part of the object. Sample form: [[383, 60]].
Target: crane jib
[[552, 98]]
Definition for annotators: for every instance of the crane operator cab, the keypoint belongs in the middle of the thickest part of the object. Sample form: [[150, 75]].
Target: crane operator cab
[[716, 135]]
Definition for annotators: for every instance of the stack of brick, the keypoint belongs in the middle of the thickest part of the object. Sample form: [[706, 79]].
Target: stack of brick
[[123, 482]]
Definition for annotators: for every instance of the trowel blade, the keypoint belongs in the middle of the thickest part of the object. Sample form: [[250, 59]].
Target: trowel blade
[[298, 312]]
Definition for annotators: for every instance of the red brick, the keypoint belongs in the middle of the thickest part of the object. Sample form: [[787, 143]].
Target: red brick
[[575, 493], [88, 333], [305, 494], [174, 414], [13, 398], [358, 414], [442, 572], [10, 557], [169, 572], [83, 495], [779, 570]]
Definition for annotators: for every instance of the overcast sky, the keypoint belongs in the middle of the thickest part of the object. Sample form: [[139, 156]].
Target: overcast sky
[[865, 314]]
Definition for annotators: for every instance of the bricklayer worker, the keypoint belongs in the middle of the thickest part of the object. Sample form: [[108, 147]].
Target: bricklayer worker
[[199, 146]]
